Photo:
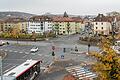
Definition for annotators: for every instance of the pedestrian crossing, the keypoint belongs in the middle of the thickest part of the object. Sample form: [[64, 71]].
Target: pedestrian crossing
[[81, 73]]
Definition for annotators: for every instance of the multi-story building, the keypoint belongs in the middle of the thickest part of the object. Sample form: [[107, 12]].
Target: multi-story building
[[102, 25], [39, 24], [66, 25], [18, 24], [1, 26]]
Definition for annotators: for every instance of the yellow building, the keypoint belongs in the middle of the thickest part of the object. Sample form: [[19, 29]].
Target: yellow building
[[18, 24], [66, 25]]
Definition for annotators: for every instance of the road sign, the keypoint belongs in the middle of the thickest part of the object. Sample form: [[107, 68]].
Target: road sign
[[62, 56]]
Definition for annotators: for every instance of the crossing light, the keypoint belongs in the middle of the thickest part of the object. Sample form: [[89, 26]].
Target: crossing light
[[53, 53], [64, 50]]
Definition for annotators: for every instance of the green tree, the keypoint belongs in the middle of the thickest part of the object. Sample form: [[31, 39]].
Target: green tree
[[108, 62]]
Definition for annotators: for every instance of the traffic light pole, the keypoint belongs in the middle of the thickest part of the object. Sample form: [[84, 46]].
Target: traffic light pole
[[1, 68]]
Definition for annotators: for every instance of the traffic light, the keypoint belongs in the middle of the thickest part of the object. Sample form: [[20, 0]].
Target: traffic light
[[76, 49], [88, 45], [64, 50], [53, 54]]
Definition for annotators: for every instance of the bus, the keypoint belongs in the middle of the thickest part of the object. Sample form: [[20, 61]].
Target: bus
[[28, 70]]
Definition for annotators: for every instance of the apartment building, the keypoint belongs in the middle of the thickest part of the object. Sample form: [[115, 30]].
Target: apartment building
[[39, 24], [65, 25], [102, 24], [9, 24]]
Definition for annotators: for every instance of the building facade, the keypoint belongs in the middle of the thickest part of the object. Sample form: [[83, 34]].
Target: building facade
[[66, 25], [18, 24], [39, 24], [102, 25]]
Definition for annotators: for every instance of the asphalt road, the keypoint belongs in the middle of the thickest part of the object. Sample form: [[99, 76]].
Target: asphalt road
[[17, 54]]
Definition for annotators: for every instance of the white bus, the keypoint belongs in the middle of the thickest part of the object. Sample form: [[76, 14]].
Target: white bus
[[28, 70]]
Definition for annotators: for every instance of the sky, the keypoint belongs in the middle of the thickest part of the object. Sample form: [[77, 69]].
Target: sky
[[76, 7]]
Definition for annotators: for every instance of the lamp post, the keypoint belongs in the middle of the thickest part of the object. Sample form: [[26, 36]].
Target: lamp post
[[88, 28], [1, 68], [113, 32], [17, 39]]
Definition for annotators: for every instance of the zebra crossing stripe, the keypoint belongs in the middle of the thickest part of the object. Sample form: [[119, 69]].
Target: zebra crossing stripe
[[81, 72]]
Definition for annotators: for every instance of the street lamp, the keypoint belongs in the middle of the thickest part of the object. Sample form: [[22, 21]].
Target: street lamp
[[88, 28], [113, 32], [1, 68]]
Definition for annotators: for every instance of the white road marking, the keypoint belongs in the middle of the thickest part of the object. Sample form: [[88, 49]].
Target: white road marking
[[24, 56], [46, 55], [9, 69], [10, 50], [40, 54], [20, 52], [26, 52], [1, 49], [6, 50], [15, 51]]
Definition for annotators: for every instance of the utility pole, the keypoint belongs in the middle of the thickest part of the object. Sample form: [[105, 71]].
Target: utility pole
[[88, 25], [1, 68], [113, 31]]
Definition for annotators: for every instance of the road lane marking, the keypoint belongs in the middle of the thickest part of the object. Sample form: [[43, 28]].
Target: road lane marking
[[46, 55], [20, 52], [6, 50], [10, 50], [40, 54], [24, 56], [26, 52], [15, 51], [1, 49], [9, 69]]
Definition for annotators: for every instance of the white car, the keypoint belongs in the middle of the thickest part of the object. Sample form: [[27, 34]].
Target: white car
[[3, 43], [34, 49]]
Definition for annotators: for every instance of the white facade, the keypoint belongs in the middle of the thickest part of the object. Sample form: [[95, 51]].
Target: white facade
[[39, 27], [102, 28]]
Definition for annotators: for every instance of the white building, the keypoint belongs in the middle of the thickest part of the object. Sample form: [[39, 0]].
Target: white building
[[39, 24], [102, 25]]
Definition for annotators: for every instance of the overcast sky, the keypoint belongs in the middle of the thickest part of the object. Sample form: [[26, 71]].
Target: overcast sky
[[77, 7]]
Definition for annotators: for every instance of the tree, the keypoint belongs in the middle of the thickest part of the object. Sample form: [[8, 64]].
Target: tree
[[34, 36], [108, 62], [56, 28]]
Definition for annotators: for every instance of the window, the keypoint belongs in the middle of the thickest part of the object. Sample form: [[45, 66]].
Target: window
[[41, 28], [102, 32], [101, 23], [96, 27], [63, 31], [41, 24], [96, 23], [101, 27]]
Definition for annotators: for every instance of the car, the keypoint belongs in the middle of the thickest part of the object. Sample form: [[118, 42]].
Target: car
[[3, 43], [34, 49]]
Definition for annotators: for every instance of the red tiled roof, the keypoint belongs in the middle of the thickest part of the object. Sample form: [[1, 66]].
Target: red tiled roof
[[14, 20], [65, 19], [102, 18], [40, 18]]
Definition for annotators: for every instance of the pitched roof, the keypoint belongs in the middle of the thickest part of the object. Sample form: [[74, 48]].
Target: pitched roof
[[40, 18], [14, 20], [65, 19]]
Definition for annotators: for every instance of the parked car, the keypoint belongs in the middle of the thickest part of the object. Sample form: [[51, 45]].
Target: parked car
[[3, 43], [34, 49]]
